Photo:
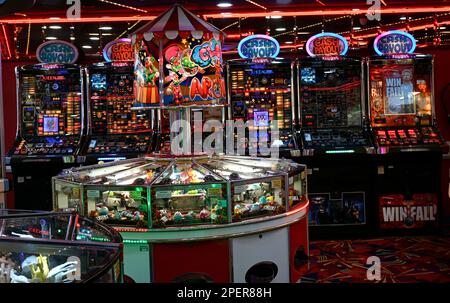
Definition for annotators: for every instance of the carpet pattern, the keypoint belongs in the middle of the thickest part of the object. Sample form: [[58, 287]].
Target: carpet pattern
[[402, 260]]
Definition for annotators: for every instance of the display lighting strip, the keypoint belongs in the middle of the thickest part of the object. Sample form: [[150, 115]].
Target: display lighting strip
[[134, 242], [6, 41], [256, 4], [125, 229], [232, 24], [392, 10], [344, 151], [28, 38], [126, 31], [124, 6]]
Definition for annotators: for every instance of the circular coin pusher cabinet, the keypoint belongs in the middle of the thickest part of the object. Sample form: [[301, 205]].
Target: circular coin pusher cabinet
[[193, 217]]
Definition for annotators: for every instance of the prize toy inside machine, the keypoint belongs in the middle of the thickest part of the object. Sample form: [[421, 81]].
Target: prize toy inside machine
[[80, 249], [185, 205], [401, 102], [116, 131], [336, 144], [50, 124], [261, 96]]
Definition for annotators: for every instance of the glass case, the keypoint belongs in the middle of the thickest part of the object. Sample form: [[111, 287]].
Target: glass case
[[44, 247], [155, 192]]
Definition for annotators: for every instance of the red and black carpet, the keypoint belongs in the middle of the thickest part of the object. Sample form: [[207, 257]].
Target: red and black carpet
[[402, 260]]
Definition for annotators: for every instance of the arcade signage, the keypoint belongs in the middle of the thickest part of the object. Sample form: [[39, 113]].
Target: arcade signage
[[57, 51], [326, 44], [258, 47], [395, 212], [394, 43], [119, 50]]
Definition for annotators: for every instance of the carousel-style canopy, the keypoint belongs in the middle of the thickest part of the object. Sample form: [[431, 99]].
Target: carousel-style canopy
[[176, 21]]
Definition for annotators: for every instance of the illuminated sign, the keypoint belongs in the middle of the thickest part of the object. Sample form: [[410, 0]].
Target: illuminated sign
[[326, 44], [119, 50], [394, 42], [258, 46], [57, 51]]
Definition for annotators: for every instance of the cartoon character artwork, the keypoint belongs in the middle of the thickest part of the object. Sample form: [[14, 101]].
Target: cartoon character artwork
[[180, 68], [146, 75]]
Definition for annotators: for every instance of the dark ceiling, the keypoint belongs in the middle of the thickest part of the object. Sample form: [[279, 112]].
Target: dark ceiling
[[23, 36]]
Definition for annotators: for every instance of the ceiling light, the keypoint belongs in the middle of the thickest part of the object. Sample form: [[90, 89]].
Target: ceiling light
[[442, 27], [51, 38], [402, 18], [54, 18], [355, 9], [72, 38], [44, 27], [280, 29], [107, 34], [72, 27], [301, 47], [224, 4], [288, 42], [356, 28], [94, 34], [276, 17], [94, 38], [303, 33], [55, 27], [86, 46], [105, 28]]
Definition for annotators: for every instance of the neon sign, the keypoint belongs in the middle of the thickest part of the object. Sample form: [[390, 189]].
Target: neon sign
[[57, 51], [326, 44], [394, 42], [119, 50], [258, 46]]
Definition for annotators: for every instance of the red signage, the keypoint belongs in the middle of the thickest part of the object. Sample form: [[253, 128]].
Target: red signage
[[326, 44], [396, 212], [119, 50]]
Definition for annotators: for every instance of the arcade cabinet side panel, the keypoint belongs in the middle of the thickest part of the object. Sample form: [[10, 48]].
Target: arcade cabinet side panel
[[205, 261]]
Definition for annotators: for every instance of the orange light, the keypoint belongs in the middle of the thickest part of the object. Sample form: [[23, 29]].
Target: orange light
[[7, 42]]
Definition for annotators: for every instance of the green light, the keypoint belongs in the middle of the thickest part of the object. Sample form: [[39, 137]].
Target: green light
[[139, 189], [216, 185], [134, 242], [100, 239], [344, 151]]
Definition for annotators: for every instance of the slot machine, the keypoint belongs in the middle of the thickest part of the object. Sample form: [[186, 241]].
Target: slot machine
[[116, 131], [260, 95], [336, 145], [50, 124], [406, 136]]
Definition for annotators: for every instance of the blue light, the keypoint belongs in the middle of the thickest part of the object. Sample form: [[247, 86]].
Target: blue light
[[259, 37], [394, 32], [327, 34]]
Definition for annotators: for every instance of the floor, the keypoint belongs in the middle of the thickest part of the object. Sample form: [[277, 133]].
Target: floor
[[402, 260]]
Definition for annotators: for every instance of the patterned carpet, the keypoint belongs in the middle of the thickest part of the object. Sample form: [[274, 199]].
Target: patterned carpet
[[402, 260]]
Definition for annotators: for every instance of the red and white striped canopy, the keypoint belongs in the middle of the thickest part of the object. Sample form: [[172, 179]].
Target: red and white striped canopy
[[176, 21]]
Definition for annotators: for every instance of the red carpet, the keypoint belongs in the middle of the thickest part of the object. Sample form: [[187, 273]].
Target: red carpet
[[403, 260]]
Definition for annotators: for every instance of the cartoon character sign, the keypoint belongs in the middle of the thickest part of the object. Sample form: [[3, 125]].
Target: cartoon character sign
[[194, 75]]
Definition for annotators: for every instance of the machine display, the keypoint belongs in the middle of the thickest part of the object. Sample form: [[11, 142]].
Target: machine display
[[405, 133], [44, 247], [262, 93], [401, 103], [163, 192], [50, 124], [116, 131], [331, 107]]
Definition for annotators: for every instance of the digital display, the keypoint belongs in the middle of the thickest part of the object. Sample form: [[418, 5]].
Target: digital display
[[308, 75], [261, 118], [51, 124], [399, 91]]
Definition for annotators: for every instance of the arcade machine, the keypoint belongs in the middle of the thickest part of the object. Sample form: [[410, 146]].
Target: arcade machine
[[115, 130], [261, 96], [335, 143], [50, 123], [409, 144]]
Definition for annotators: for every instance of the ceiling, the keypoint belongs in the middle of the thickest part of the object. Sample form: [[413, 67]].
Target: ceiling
[[26, 23]]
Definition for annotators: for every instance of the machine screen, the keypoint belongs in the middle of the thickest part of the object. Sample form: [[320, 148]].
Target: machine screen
[[50, 101], [330, 93], [111, 94], [400, 91], [51, 124], [261, 118]]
